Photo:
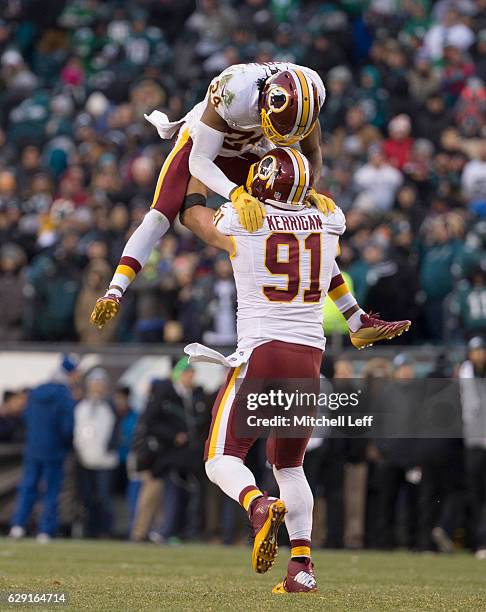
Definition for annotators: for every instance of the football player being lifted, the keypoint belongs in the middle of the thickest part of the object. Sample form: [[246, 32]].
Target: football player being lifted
[[280, 293], [248, 109]]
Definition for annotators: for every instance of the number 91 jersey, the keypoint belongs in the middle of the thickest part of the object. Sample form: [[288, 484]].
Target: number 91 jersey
[[282, 273]]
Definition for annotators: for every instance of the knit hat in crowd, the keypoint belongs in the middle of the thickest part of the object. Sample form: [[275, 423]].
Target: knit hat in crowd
[[181, 366]]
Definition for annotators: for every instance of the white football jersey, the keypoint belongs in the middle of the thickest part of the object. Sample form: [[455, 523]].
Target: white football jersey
[[282, 273], [234, 94]]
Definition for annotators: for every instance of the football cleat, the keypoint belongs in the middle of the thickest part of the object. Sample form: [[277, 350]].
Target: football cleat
[[266, 515], [300, 579], [374, 329], [106, 308]]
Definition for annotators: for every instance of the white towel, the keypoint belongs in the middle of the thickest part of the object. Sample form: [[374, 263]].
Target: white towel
[[200, 353], [165, 128]]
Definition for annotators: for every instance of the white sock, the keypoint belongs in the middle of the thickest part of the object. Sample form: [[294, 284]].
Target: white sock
[[296, 493], [354, 321], [230, 474], [140, 245]]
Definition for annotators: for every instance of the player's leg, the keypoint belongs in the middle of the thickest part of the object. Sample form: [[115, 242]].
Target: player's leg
[[364, 329], [286, 455], [27, 497], [295, 492], [225, 455], [168, 200], [53, 477]]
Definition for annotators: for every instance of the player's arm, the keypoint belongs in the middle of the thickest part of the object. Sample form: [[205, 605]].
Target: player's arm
[[203, 225], [311, 148], [207, 143]]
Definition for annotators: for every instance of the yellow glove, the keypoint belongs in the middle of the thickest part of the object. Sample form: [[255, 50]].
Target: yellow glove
[[106, 308], [324, 204], [250, 211]]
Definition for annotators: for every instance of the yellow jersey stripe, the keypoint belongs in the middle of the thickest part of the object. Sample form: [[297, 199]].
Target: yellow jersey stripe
[[221, 407], [178, 146]]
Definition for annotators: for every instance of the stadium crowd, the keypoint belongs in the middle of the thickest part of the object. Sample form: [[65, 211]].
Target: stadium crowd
[[141, 476], [404, 125]]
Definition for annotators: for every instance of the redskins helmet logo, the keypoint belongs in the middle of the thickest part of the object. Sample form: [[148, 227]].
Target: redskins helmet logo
[[267, 170], [281, 178], [278, 99]]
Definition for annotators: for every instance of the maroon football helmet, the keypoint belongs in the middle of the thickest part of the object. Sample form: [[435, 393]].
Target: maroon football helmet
[[289, 106], [282, 178]]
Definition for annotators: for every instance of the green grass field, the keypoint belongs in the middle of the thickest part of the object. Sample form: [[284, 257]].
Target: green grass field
[[121, 576]]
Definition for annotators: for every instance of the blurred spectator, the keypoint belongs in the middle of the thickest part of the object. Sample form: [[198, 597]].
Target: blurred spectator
[[441, 498], [211, 21], [126, 483], [127, 419], [398, 147], [389, 283], [324, 465], [355, 470], [472, 374], [175, 419], [439, 250], [146, 448], [356, 135], [433, 118], [49, 428], [474, 181], [377, 182], [12, 281], [393, 467], [451, 30], [12, 425], [470, 303], [423, 79], [54, 282], [457, 69], [96, 443], [222, 305]]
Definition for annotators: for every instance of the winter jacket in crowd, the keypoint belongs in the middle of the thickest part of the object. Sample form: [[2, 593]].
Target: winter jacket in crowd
[[95, 429], [49, 422]]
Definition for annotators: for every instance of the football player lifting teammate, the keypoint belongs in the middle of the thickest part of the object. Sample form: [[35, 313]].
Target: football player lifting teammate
[[280, 292], [248, 109]]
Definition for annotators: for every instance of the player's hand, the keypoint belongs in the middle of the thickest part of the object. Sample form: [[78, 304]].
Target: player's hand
[[324, 204], [106, 308], [250, 211]]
